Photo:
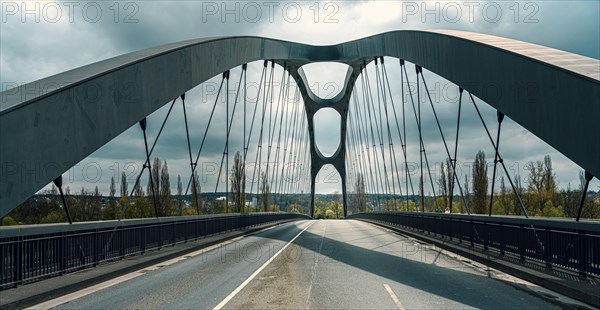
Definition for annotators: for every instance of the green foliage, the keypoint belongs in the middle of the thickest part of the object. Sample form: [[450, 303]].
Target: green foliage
[[8, 221], [551, 211], [337, 209], [294, 208], [190, 211], [139, 207], [265, 192], [329, 214], [319, 213], [479, 201], [54, 217], [238, 183]]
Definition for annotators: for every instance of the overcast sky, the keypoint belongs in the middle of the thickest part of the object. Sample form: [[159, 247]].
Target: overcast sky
[[42, 38]]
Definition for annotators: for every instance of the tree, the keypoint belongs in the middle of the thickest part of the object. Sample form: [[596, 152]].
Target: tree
[[294, 208], [196, 193], [238, 183], [421, 194], [450, 181], [516, 206], [8, 221], [443, 187], [505, 198], [265, 192], [360, 194], [124, 192], [96, 212], [153, 187], [165, 205], [541, 185], [139, 191], [179, 195], [549, 176], [467, 193], [591, 208], [110, 212], [570, 201], [112, 189], [335, 205], [480, 183]]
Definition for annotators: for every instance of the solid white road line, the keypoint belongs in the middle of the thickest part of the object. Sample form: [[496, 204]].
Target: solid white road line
[[53, 303], [394, 297], [239, 288]]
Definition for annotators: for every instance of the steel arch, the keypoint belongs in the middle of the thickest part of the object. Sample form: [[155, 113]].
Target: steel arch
[[49, 125]]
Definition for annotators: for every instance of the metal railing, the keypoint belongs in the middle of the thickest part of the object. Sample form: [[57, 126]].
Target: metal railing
[[32, 252], [570, 245]]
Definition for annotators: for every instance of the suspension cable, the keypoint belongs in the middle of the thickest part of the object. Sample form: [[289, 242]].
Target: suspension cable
[[367, 103], [423, 151], [292, 119], [460, 91], [271, 133], [444, 141], [402, 142], [380, 84], [192, 165], [378, 121], [205, 133], [143, 126], [500, 158], [500, 117]]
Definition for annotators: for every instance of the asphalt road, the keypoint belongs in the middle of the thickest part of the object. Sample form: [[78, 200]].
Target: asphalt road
[[331, 265]]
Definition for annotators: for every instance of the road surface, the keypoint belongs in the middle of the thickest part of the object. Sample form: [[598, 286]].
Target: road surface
[[342, 264]]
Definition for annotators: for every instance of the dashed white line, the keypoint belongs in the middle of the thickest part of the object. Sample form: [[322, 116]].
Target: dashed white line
[[239, 288], [394, 297]]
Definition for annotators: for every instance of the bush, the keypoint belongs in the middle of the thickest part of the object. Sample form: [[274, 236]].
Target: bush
[[8, 221]]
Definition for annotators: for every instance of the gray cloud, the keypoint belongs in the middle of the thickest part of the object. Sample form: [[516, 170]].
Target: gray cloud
[[33, 50]]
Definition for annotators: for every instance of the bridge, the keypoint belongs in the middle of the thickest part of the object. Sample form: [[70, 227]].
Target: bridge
[[373, 259]]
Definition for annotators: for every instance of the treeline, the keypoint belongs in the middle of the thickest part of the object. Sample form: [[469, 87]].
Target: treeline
[[539, 194], [331, 209], [137, 202]]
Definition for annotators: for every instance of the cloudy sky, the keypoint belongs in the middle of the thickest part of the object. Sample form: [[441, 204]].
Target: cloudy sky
[[42, 38]]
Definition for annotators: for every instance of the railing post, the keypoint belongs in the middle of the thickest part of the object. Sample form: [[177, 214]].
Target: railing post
[[548, 248], [18, 261], [461, 229], [63, 253], [471, 232], [144, 238], [160, 235], [502, 239], [96, 247], [583, 258], [522, 242], [174, 239], [196, 228], [486, 236], [450, 228], [122, 243]]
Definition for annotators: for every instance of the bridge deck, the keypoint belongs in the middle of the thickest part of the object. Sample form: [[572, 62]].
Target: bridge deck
[[332, 264]]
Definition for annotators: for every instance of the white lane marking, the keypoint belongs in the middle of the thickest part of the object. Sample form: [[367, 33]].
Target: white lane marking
[[92, 289], [394, 297], [53, 303], [239, 288]]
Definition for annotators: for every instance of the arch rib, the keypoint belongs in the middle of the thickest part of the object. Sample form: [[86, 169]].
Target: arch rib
[[49, 125]]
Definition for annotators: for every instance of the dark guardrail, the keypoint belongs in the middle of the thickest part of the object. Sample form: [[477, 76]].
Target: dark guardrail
[[32, 252], [570, 245]]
